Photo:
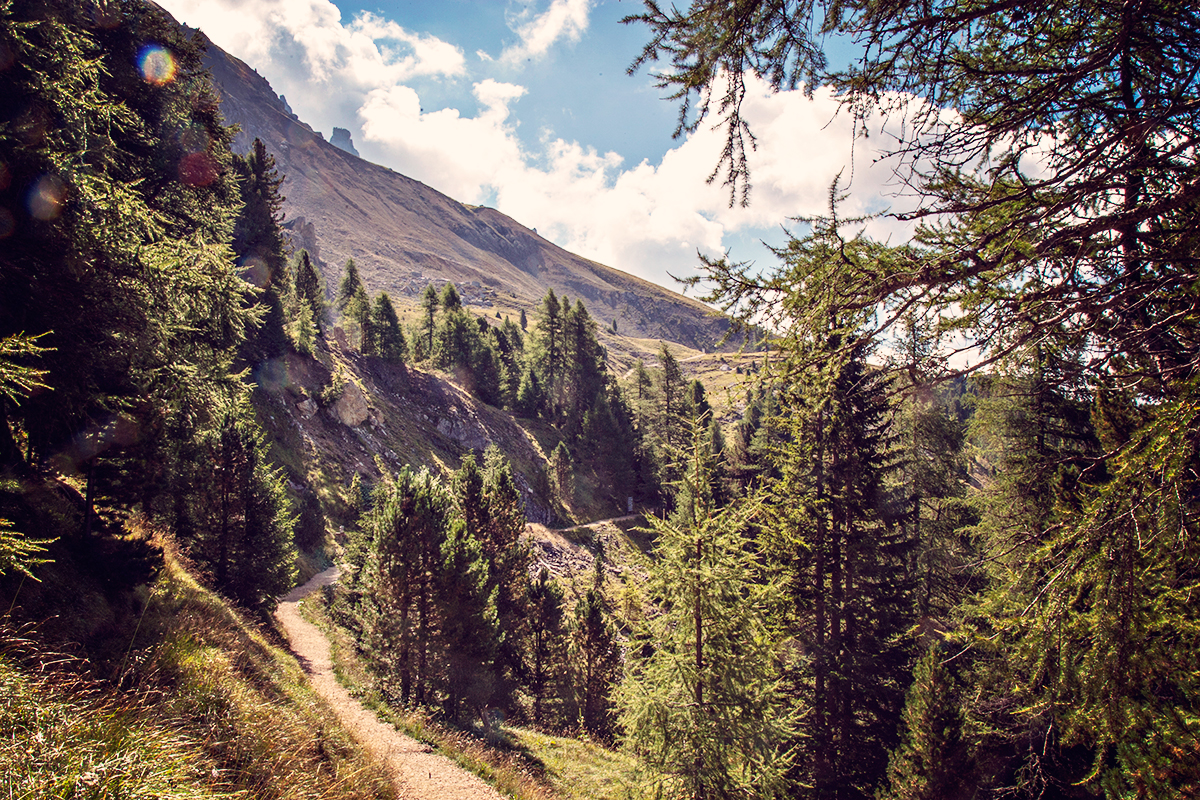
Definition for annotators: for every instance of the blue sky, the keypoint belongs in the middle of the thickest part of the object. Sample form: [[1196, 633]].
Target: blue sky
[[525, 105]]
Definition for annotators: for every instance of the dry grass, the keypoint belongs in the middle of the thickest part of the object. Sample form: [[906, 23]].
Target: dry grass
[[206, 707]]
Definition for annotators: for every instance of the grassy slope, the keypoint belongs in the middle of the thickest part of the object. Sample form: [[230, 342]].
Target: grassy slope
[[521, 763], [207, 706]]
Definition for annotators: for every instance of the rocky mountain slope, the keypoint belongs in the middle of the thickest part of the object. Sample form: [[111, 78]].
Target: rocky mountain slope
[[403, 234]]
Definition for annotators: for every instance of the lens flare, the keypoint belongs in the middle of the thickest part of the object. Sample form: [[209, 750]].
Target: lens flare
[[197, 169], [157, 64], [46, 198]]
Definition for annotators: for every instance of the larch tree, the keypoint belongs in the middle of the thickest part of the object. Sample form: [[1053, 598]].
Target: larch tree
[[702, 700]]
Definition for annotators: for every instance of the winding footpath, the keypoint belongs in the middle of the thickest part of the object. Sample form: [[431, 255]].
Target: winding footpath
[[418, 772]]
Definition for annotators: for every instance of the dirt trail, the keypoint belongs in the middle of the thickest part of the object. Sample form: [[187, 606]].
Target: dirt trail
[[418, 773]]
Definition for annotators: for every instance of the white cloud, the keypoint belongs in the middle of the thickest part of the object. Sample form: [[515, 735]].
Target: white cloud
[[565, 19], [645, 218], [368, 52]]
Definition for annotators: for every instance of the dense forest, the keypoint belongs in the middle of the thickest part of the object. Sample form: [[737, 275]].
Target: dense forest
[[944, 544]]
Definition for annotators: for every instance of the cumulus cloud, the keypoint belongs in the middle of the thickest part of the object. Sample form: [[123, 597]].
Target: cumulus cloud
[[646, 218], [564, 19], [365, 53]]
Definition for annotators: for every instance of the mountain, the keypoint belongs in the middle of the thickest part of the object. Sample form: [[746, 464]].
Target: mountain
[[404, 235]]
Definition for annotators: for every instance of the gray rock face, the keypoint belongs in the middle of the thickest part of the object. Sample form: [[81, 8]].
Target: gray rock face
[[351, 408], [341, 139]]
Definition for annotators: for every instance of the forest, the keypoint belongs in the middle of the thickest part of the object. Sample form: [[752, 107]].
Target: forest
[[944, 543]]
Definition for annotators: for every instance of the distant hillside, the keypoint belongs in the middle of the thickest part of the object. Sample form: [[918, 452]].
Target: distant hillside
[[403, 235]]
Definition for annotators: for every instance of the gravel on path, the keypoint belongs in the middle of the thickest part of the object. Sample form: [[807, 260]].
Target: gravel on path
[[418, 772]]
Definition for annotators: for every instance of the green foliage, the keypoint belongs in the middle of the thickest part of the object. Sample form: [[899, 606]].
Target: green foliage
[[702, 700], [260, 249], [547, 651], [595, 659], [440, 587], [350, 286], [239, 513], [929, 764], [843, 558], [429, 307], [124, 259], [309, 290], [19, 553], [562, 475], [470, 632], [390, 343], [1018, 240]]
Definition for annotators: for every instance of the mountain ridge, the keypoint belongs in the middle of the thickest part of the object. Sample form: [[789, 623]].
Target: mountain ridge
[[404, 234]]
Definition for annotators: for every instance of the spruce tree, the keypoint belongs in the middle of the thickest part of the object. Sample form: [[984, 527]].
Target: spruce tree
[[309, 290], [260, 248], [390, 343], [470, 633], [844, 559], [350, 286], [930, 763], [546, 351]]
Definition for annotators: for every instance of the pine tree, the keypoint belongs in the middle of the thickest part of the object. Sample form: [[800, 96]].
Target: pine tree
[[357, 316], [395, 590], [260, 248], [309, 290], [450, 301], [562, 475], [546, 353], [930, 762], [240, 514]]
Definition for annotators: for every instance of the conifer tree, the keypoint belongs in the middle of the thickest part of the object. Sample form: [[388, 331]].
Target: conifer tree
[[260, 248], [429, 308], [562, 474], [396, 597], [240, 514], [702, 700], [596, 658], [509, 559], [470, 632], [845, 561], [357, 316], [546, 351], [547, 648], [350, 286], [390, 343], [309, 289], [930, 763]]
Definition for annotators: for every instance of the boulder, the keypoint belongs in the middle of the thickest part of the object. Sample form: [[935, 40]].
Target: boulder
[[351, 408], [307, 408]]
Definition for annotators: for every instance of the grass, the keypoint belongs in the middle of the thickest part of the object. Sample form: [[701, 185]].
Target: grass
[[521, 764], [203, 704]]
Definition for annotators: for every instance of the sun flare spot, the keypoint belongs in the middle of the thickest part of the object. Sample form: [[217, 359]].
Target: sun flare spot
[[157, 64]]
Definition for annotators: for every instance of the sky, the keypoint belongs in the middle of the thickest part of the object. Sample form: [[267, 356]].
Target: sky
[[526, 106]]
